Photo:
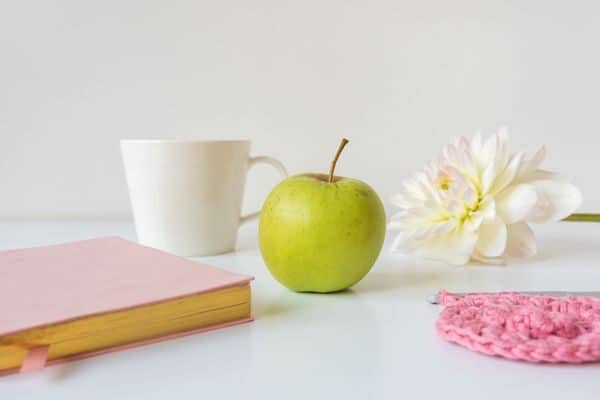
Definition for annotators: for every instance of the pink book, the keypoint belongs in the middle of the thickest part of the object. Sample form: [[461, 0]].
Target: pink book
[[54, 298]]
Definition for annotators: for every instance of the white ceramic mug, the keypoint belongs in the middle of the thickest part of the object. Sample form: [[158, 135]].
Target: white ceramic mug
[[186, 195]]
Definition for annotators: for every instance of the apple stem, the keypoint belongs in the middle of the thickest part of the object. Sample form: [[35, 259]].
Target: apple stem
[[343, 143]]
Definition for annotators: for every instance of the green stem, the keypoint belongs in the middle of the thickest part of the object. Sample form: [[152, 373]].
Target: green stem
[[580, 217]]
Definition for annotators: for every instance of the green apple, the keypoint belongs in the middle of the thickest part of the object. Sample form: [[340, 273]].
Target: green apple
[[321, 233]]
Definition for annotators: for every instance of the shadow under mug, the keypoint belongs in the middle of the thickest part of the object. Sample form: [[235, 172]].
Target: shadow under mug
[[186, 195]]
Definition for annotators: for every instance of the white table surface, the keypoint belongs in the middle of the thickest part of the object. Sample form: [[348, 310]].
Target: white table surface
[[374, 341]]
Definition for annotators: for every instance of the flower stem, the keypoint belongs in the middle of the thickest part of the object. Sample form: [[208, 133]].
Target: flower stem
[[583, 217], [343, 143]]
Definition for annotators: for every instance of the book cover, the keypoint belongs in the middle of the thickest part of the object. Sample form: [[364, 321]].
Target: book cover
[[61, 292]]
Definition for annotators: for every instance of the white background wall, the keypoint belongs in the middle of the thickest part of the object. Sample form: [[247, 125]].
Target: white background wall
[[397, 77]]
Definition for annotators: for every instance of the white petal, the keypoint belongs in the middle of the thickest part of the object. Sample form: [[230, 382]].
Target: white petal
[[394, 225], [451, 154], [487, 208], [444, 227], [486, 213], [492, 238], [400, 200], [516, 203], [538, 157], [462, 144], [543, 175], [521, 241], [502, 151], [454, 247], [528, 167], [556, 200], [473, 222], [412, 186], [397, 243], [489, 175], [455, 207], [488, 152], [488, 260], [508, 175], [476, 143]]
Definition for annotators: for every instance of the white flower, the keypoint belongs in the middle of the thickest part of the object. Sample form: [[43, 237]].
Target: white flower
[[475, 200]]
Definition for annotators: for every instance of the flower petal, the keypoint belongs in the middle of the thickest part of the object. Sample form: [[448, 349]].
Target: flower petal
[[476, 143], [489, 150], [528, 167], [507, 176], [486, 213], [543, 175], [488, 260], [489, 175], [491, 240], [521, 240], [487, 208], [397, 243], [454, 247], [401, 201], [556, 200], [538, 157], [502, 152], [516, 203]]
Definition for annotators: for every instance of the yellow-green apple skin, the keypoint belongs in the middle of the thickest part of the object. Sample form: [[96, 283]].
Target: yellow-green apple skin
[[317, 236]]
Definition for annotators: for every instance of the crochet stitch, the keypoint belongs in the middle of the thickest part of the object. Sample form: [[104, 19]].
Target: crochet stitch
[[538, 329]]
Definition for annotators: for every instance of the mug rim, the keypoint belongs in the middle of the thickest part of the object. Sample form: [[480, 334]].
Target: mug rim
[[190, 141]]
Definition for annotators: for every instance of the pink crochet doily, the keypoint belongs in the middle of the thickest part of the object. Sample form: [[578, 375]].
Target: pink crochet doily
[[522, 327]]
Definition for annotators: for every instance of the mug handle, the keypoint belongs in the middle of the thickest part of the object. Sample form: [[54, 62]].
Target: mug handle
[[278, 165]]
